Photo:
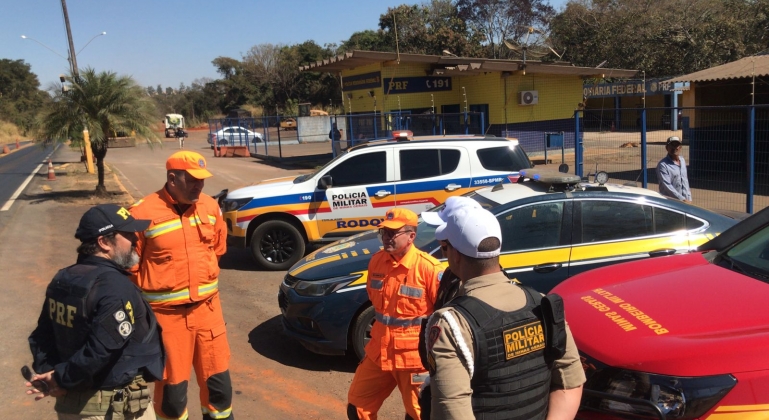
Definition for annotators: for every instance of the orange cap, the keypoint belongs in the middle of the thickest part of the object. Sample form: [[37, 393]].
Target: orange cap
[[193, 163], [398, 217]]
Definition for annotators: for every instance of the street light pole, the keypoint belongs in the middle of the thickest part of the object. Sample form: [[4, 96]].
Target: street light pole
[[89, 41]]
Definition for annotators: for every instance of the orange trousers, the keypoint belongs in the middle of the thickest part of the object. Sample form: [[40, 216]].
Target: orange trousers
[[371, 386], [194, 335]]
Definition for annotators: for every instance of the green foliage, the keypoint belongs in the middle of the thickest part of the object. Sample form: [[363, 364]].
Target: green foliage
[[664, 37], [104, 104], [20, 96], [367, 40], [429, 28], [198, 102]]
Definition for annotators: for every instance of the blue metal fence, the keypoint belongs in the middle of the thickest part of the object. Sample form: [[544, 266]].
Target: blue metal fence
[[726, 150]]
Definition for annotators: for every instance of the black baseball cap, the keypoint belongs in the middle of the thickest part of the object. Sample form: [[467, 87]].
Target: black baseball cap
[[106, 218]]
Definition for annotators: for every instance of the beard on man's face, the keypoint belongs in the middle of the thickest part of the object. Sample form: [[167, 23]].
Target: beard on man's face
[[126, 260]]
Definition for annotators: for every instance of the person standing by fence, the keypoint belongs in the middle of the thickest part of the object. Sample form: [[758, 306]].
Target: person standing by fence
[[671, 172]]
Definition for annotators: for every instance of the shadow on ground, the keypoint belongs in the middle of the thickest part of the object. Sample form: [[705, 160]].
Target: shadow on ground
[[240, 259], [76, 197], [237, 259], [268, 340]]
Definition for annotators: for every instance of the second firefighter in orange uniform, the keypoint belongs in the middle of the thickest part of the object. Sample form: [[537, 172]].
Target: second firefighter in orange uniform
[[402, 287]]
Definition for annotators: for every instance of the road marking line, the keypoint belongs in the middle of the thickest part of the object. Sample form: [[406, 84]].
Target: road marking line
[[122, 187], [19, 190]]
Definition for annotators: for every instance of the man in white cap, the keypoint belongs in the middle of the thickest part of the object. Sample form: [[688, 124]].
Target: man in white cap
[[479, 343], [671, 172], [449, 281]]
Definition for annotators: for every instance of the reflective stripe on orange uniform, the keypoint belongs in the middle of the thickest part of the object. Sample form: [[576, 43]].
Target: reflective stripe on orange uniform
[[177, 263], [179, 276], [402, 293]]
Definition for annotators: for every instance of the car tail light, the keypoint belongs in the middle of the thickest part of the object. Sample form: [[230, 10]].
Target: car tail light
[[628, 393]]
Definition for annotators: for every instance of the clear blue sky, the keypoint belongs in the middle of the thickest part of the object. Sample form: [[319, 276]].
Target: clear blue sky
[[170, 42]]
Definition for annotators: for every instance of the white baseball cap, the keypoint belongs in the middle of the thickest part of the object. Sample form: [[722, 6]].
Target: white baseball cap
[[466, 227], [438, 218]]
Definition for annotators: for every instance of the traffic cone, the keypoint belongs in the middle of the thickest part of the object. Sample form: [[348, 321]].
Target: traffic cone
[[17, 144], [51, 173], [6, 150]]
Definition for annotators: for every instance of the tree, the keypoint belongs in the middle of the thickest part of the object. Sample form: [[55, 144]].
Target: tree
[[503, 20], [20, 96], [367, 40], [430, 28], [104, 103], [235, 86], [662, 38]]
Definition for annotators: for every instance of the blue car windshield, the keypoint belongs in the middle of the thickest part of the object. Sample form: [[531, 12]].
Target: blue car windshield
[[751, 256]]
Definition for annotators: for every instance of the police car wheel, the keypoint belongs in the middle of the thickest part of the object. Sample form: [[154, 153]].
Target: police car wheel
[[277, 245], [361, 332]]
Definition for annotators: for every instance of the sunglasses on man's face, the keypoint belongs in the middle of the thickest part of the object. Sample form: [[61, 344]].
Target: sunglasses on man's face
[[385, 233]]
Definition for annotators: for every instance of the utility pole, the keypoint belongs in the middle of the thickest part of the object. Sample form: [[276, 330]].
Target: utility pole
[[72, 54], [76, 74]]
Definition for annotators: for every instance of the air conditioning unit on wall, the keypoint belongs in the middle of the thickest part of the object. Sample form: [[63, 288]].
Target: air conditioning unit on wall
[[528, 97]]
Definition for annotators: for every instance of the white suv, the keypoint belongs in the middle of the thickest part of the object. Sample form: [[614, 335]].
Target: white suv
[[277, 218]]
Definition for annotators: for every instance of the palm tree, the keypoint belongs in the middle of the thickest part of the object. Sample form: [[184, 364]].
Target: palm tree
[[105, 104]]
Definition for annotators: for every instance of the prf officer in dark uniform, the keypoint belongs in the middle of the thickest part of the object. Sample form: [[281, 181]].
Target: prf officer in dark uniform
[[97, 342], [497, 350]]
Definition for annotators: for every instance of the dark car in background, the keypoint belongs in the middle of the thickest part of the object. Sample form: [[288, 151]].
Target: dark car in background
[[550, 232]]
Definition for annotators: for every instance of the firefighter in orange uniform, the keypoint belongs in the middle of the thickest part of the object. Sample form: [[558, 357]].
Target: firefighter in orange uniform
[[179, 275], [402, 286]]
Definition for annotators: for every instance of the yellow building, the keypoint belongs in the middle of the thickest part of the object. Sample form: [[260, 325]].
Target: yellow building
[[516, 98]]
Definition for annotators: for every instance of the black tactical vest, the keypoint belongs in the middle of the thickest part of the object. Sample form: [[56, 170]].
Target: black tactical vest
[[512, 373], [69, 312]]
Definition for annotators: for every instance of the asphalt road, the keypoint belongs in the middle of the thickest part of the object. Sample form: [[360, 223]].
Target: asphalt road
[[273, 376], [15, 169]]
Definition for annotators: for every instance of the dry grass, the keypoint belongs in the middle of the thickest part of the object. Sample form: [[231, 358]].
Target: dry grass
[[75, 186], [9, 133]]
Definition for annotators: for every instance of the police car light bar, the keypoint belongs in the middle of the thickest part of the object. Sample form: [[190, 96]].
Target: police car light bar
[[402, 135], [549, 177]]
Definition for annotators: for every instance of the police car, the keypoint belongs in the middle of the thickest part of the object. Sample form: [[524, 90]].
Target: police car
[[278, 218], [553, 227], [680, 337]]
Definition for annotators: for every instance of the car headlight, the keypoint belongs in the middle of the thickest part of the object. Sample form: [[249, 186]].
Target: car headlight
[[323, 287], [646, 395], [232, 204]]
